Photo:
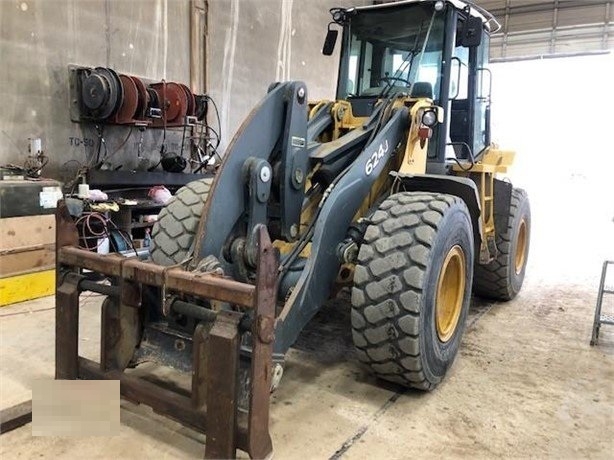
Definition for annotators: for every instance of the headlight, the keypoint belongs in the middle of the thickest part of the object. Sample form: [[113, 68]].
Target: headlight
[[429, 118]]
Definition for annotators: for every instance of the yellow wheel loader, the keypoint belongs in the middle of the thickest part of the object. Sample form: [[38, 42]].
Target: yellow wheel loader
[[390, 189]]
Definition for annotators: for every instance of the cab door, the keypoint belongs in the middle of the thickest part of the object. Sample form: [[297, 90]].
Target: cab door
[[482, 78], [469, 97]]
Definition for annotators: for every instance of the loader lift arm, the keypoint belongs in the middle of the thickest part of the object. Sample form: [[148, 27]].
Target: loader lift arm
[[274, 138]]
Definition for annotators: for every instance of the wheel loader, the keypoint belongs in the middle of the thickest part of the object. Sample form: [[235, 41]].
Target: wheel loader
[[390, 189]]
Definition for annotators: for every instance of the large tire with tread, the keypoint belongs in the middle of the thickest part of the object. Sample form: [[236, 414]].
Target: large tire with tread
[[502, 278], [397, 296], [172, 236]]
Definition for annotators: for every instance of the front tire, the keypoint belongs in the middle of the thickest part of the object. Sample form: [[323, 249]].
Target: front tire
[[412, 287]]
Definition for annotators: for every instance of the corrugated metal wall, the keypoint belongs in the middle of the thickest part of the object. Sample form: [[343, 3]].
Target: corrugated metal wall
[[532, 29], [538, 28]]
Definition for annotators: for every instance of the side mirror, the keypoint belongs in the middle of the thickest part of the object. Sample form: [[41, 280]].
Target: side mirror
[[471, 34], [329, 42]]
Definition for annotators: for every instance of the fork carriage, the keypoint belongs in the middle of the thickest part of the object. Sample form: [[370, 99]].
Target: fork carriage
[[212, 407]]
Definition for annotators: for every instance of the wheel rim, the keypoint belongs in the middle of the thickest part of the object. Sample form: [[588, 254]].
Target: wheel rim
[[521, 247], [450, 293]]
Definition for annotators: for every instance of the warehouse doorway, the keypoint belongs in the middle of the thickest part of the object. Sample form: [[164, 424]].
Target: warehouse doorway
[[557, 114]]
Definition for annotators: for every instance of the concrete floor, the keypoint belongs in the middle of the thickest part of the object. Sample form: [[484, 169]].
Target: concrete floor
[[525, 384]]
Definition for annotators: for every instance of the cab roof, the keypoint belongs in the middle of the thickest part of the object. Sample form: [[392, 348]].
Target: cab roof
[[475, 10]]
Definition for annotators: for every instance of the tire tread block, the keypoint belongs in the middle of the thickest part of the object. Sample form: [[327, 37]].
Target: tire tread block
[[173, 234]]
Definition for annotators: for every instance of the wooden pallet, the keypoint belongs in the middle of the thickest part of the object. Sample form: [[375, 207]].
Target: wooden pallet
[[27, 258]]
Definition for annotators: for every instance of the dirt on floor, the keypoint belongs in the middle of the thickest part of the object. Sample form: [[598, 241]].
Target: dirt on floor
[[526, 383]]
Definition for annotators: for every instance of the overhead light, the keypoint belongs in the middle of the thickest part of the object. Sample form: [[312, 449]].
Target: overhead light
[[338, 15], [439, 5], [429, 118]]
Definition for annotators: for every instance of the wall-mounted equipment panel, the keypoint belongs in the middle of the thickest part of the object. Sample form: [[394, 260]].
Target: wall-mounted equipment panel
[[103, 96]]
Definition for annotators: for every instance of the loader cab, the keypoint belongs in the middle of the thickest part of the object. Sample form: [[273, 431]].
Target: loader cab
[[432, 49]]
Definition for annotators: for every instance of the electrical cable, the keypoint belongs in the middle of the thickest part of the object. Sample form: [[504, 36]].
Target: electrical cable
[[200, 154], [95, 161], [85, 221], [471, 158], [460, 165], [120, 145], [217, 136], [308, 234], [208, 150], [217, 115], [101, 142], [212, 147], [182, 141], [127, 240], [163, 144], [34, 171]]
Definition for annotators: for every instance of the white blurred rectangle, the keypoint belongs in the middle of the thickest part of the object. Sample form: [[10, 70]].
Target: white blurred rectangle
[[75, 407]]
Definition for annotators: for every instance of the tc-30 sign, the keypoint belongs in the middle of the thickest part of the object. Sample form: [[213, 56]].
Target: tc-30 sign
[[78, 141]]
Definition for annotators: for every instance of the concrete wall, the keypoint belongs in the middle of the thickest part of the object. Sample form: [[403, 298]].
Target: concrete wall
[[250, 44], [253, 43], [39, 38]]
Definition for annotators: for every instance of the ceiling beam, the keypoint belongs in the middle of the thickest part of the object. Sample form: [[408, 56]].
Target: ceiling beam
[[546, 6]]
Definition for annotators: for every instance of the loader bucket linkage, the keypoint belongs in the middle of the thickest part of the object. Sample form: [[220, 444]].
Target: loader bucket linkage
[[212, 407]]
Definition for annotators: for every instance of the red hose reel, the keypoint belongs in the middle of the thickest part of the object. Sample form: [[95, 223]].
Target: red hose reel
[[106, 96]]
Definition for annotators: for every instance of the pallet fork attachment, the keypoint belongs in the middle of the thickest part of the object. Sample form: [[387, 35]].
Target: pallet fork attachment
[[212, 407]]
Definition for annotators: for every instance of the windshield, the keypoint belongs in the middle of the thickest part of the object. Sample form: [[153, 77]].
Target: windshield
[[391, 49]]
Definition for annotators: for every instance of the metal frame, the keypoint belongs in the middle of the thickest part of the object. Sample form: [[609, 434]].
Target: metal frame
[[212, 407], [15, 416], [599, 318]]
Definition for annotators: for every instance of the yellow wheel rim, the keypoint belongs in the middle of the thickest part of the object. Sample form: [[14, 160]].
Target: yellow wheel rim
[[521, 247], [450, 293]]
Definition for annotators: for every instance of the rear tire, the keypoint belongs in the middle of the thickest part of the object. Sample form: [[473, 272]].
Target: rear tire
[[172, 236], [412, 287], [502, 278]]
